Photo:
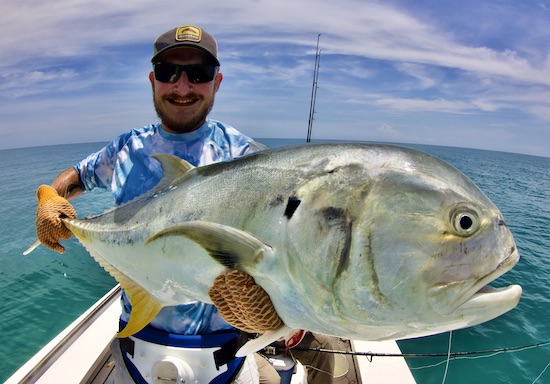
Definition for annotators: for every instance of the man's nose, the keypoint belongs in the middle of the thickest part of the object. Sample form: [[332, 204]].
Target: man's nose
[[183, 82]]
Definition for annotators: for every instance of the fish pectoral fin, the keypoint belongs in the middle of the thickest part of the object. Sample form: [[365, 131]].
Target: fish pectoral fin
[[263, 341], [231, 247]]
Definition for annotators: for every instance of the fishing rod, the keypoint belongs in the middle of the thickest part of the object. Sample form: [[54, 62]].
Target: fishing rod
[[411, 355], [313, 91]]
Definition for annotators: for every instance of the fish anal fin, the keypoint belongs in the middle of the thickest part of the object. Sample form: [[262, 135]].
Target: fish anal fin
[[231, 247], [144, 306], [144, 309]]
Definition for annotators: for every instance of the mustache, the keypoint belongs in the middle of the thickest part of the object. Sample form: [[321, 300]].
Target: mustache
[[176, 95]]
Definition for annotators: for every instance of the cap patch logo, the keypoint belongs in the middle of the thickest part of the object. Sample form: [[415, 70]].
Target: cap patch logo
[[189, 33]]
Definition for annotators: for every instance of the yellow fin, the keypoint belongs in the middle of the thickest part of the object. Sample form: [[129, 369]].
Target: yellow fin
[[144, 307]]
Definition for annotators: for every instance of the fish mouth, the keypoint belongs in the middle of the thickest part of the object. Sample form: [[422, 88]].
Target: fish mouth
[[489, 296], [478, 295]]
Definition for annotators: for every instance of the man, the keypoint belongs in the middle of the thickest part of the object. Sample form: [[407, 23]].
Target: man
[[184, 81]]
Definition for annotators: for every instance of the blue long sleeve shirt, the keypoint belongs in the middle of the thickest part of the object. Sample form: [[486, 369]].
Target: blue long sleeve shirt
[[125, 167]]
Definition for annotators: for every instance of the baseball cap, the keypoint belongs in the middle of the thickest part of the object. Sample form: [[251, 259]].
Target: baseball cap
[[186, 36]]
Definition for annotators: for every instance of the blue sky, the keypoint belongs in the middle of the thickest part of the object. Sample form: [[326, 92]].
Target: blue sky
[[458, 73]]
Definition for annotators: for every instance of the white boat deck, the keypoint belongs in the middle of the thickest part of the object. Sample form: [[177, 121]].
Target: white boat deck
[[80, 354], [382, 369], [73, 354]]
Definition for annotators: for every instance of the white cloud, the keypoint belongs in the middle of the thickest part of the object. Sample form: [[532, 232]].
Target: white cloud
[[18, 83], [439, 105], [388, 131], [380, 60]]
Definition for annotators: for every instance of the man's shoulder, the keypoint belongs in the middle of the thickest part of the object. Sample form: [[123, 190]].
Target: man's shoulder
[[146, 130], [216, 124], [228, 130], [134, 134], [235, 142]]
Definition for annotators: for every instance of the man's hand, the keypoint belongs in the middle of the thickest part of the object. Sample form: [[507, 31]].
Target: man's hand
[[51, 208], [243, 304]]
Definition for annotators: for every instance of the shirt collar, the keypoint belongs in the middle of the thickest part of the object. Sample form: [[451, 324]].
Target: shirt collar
[[187, 136]]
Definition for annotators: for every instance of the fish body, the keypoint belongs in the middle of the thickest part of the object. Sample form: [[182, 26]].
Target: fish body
[[360, 241]]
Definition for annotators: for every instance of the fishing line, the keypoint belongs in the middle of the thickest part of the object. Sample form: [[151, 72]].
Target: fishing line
[[470, 355], [448, 357], [454, 355], [542, 373]]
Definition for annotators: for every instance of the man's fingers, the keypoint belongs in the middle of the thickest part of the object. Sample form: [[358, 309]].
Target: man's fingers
[[223, 300], [51, 208], [243, 303]]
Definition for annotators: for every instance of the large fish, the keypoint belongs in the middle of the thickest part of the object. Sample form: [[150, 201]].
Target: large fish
[[359, 241]]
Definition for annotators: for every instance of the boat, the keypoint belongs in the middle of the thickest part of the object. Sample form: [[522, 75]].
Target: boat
[[81, 354]]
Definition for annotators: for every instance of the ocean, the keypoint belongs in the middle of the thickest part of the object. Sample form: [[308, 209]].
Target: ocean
[[42, 293]]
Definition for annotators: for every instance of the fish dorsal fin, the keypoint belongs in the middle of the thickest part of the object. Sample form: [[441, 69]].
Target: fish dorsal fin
[[231, 247], [173, 167]]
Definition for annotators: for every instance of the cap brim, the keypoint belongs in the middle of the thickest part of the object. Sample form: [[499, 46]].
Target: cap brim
[[182, 45]]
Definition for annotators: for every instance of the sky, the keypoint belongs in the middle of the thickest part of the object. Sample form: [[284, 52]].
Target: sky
[[463, 73]]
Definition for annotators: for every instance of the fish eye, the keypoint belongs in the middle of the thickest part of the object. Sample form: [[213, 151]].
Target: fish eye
[[465, 221]]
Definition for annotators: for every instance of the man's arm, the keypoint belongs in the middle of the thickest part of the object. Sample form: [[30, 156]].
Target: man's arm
[[67, 184]]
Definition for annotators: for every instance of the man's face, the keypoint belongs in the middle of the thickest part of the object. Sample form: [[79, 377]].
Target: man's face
[[183, 106]]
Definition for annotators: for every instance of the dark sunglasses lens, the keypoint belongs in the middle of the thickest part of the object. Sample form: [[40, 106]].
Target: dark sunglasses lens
[[200, 73], [166, 73], [170, 73]]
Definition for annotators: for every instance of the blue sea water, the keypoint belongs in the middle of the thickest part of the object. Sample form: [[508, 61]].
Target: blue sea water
[[40, 294]]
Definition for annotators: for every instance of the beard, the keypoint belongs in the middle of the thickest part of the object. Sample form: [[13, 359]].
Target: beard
[[177, 124]]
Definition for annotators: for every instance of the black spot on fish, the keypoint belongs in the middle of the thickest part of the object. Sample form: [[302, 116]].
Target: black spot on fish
[[292, 205], [278, 200], [343, 264], [332, 214], [336, 217]]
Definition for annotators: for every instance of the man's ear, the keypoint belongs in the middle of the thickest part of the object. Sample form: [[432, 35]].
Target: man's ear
[[152, 79], [218, 80]]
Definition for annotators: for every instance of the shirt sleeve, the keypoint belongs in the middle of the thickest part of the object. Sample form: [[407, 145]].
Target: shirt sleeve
[[96, 170]]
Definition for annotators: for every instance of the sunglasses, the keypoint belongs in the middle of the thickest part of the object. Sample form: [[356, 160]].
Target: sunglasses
[[196, 73]]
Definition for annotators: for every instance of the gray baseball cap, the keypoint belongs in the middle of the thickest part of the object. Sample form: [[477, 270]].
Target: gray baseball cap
[[186, 36]]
